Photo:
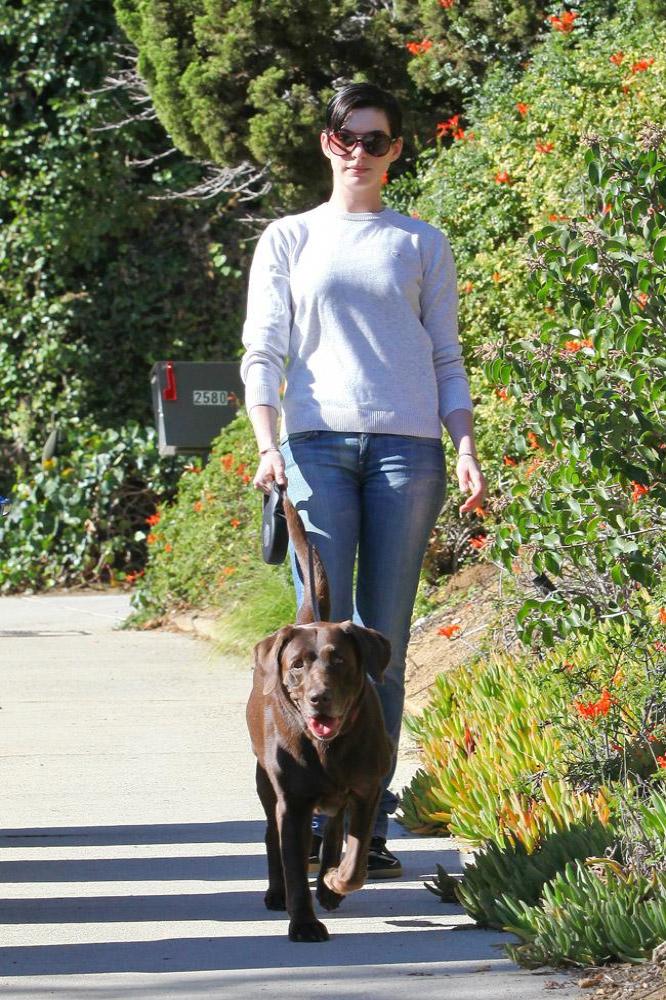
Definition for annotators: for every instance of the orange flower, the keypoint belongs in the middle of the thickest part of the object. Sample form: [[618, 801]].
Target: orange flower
[[638, 490], [617, 58], [564, 22], [544, 147], [607, 209], [198, 506], [246, 478], [228, 570], [470, 742], [503, 177], [418, 48], [509, 461], [240, 469], [497, 277], [134, 576], [446, 4], [533, 439], [478, 542], [573, 346], [661, 761], [642, 299], [151, 539], [533, 466], [642, 65], [522, 108], [554, 217], [226, 462], [502, 394], [593, 709], [467, 287], [448, 630], [153, 520], [450, 125], [167, 547], [480, 512], [234, 522], [662, 616]]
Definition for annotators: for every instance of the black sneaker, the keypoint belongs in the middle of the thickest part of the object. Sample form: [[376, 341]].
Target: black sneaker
[[314, 863], [381, 863]]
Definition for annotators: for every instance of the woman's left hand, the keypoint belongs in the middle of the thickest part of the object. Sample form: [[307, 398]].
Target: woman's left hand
[[471, 480]]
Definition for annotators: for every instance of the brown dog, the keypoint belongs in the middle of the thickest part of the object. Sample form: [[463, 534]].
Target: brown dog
[[318, 734]]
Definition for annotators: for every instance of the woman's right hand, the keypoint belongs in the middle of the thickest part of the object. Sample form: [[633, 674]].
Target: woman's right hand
[[270, 470]]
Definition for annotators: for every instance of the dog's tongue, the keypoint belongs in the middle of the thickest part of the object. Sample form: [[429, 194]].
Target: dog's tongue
[[323, 726]]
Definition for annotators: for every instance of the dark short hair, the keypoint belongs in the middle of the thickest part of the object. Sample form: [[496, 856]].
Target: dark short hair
[[363, 95]]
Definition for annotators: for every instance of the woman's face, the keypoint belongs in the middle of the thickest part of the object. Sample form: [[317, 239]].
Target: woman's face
[[357, 170]]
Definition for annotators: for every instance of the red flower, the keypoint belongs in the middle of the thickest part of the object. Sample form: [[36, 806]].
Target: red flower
[[642, 65], [418, 48], [448, 630], [198, 506], [533, 439], [234, 522], [638, 490], [246, 478], [478, 542], [573, 346], [617, 58], [470, 742], [151, 539], [593, 709], [661, 761], [502, 394], [641, 299], [467, 287], [446, 4], [662, 616], [167, 547], [509, 461], [503, 177], [153, 520], [226, 462], [240, 469], [544, 147], [450, 125], [565, 21], [522, 108], [134, 576], [554, 217]]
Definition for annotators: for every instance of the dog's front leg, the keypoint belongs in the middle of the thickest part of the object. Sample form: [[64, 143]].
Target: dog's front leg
[[353, 869], [331, 853], [275, 898], [294, 824]]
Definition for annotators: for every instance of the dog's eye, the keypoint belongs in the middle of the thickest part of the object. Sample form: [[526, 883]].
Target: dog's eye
[[294, 676]]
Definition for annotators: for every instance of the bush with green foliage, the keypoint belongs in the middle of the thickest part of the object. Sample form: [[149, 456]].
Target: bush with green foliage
[[205, 547], [77, 518], [97, 281]]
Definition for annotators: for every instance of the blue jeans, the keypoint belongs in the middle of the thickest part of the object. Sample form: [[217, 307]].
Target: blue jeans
[[375, 498]]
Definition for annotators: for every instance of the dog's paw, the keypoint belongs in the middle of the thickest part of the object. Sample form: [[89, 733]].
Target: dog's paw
[[307, 930], [329, 900], [275, 900], [341, 886]]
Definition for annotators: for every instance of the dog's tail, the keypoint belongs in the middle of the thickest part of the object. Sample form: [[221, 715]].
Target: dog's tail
[[316, 604]]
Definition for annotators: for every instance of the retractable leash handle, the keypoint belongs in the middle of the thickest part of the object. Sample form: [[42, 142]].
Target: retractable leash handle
[[274, 533], [5, 504]]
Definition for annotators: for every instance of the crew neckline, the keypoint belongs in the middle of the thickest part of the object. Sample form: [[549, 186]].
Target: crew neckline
[[355, 216]]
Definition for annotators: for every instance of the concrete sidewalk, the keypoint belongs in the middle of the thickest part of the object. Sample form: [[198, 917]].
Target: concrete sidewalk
[[132, 859]]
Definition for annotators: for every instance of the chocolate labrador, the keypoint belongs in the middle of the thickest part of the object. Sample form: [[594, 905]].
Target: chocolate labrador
[[318, 734]]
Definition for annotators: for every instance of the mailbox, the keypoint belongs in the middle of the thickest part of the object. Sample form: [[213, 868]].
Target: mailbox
[[193, 401]]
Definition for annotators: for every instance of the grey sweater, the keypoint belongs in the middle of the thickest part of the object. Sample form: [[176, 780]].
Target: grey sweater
[[359, 310]]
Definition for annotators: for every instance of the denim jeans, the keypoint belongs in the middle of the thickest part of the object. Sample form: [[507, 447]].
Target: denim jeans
[[372, 498]]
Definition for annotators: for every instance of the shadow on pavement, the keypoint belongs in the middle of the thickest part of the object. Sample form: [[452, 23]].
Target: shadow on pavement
[[230, 832]]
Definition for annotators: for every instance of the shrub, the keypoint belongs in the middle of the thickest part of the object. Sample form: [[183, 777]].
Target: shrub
[[205, 547], [77, 518]]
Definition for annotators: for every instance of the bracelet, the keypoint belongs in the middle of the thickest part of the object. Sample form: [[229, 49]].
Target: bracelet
[[264, 451], [470, 454]]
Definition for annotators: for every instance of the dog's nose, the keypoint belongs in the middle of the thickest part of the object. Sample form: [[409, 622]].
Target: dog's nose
[[320, 699]]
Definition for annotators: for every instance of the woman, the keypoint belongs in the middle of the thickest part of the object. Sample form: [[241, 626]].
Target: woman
[[358, 303]]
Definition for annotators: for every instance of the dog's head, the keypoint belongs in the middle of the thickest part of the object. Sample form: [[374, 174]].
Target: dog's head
[[321, 669]]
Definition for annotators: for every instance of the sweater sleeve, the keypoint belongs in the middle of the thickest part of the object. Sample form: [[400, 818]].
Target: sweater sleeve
[[268, 320], [439, 316]]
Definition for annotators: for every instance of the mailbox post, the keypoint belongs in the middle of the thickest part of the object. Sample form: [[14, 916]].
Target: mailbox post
[[193, 401]]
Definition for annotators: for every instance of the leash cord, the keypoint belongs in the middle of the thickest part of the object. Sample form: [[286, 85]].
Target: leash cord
[[313, 593]]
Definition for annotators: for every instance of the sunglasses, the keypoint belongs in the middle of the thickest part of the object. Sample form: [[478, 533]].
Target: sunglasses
[[374, 143]]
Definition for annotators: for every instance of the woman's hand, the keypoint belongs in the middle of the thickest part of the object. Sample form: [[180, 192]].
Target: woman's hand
[[270, 470], [471, 480]]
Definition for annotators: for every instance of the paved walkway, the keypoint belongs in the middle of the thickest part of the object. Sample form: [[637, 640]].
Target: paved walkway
[[132, 859]]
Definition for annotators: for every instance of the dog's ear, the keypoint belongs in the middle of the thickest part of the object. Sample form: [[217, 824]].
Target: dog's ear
[[267, 657], [374, 648]]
